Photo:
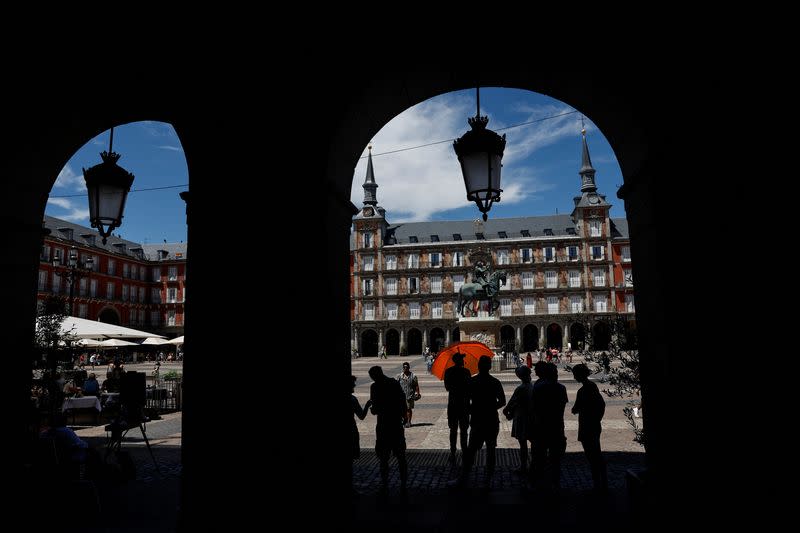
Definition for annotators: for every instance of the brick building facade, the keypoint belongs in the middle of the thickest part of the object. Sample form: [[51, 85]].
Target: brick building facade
[[564, 272], [127, 283]]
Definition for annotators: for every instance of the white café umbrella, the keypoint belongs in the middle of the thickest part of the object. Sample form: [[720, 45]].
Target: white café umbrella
[[83, 328], [176, 341], [155, 341], [116, 343]]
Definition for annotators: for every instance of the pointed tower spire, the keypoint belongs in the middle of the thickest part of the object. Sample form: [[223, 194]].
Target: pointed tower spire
[[587, 171], [370, 198]]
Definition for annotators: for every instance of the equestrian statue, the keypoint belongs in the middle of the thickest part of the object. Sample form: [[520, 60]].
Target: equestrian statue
[[486, 286]]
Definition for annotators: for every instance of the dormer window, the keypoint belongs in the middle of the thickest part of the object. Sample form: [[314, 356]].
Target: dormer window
[[548, 232], [121, 247], [479, 236], [67, 233], [456, 236], [90, 238], [137, 252], [525, 233], [434, 238], [413, 238], [162, 254], [502, 234], [571, 231]]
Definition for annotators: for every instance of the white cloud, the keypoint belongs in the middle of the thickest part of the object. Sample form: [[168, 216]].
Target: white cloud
[[73, 213], [173, 148], [413, 185], [68, 179]]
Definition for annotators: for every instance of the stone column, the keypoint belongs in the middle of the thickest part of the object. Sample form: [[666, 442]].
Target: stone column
[[424, 338], [447, 337], [519, 336], [565, 340], [542, 336], [380, 339]]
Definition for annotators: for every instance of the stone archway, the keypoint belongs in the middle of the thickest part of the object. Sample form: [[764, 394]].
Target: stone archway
[[414, 343], [392, 342], [530, 338], [508, 339], [577, 336], [109, 315], [554, 336], [369, 343], [437, 340], [601, 336], [456, 335]]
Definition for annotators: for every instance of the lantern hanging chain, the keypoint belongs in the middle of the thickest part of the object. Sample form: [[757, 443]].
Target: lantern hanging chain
[[478, 100], [111, 141]]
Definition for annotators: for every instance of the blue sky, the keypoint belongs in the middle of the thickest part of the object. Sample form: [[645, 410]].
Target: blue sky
[[540, 163], [152, 152]]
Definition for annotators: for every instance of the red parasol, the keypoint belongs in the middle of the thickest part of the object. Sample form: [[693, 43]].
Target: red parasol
[[472, 350]]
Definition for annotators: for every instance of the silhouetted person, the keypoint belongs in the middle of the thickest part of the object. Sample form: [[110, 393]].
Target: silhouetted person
[[90, 386], [590, 407], [361, 414], [410, 384], [520, 410], [456, 381], [389, 405], [549, 400], [606, 363], [486, 396]]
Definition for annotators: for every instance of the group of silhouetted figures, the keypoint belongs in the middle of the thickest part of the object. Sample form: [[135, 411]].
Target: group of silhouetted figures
[[536, 409]]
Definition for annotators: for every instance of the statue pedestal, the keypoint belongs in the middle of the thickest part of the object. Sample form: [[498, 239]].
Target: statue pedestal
[[485, 329]]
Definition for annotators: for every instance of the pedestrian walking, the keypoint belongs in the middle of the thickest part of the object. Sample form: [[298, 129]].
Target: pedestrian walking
[[590, 408]]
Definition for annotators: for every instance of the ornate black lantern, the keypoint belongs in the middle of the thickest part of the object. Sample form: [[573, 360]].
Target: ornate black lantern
[[480, 152], [108, 186]]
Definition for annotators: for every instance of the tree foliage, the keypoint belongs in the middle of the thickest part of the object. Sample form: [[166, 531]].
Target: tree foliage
[[49, 340]]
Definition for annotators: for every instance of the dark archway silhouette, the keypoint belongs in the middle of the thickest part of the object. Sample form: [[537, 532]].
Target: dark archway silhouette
[[456, 335], [109, 315], [507, 339], [392, 342], [555, 337], [601, 336], [530, 338], [414, 342], [369, 343], [437, 339], [577, 336]]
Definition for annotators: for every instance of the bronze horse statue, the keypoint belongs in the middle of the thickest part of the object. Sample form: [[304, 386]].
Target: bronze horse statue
[[474, 292]]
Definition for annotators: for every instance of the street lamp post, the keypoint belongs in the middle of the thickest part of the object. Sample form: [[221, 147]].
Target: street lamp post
[[73, 272]]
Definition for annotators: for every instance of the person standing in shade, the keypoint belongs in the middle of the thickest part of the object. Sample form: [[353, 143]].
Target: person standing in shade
[[486, 396], [410, 384], [389, 405], [549, 444], [590, 408], [520, 410], [456, 382]]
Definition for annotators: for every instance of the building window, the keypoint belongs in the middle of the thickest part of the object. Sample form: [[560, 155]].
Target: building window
[[391, 262], [367, 240], [56, 284], [628, 274], [83, 287], [527, 255], [413, 260], [436, 284], [367, 287], [391, 311], [626, 254], [551, 279], [112, 267], [436, 259], [93, 288], [456, 236], [502, 257], [110, 291], [576, 304], [156, 273], [172, 273], [436, 309], [549, 254], [505, 307], [502, 234], [391, 286], [126, 270], [479, 236], [458, 281], [458, 259], [600, 304], [548, 232], [530, 306], [43, 280], [172, 295], [154, 318], [574, 278], [572, 253], [57, 256], [595, 228], [629, 306], [369, 263], [597, 253], [141, 295], [45, 255], [552, 305], [525, 233], [83, 310], [171, 317], [413, 238], [599, 277], [413, 285], [434, 238], [155, 295], [527, 280], [369, 311], [413, 310], [124, 293]]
